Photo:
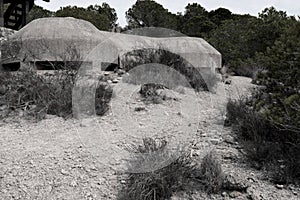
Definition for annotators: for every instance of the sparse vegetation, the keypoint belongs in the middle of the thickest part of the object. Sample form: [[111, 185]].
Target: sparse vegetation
[[266, 144], [38, 95], [177, 176], [52, 93], [104, 94], [211, 174]]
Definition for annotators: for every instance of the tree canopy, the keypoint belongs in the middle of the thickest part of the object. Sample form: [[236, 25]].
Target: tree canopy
[[103, 17], [38, 12], [148, 13]]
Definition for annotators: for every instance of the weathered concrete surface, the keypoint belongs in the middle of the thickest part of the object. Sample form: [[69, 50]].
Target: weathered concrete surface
[[69, 39], [55, 38]]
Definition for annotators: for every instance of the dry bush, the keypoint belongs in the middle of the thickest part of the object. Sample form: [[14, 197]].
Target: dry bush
[[211, 173], [51, 93], [103, 95], [39, 95], [182, 174], [161, 183]]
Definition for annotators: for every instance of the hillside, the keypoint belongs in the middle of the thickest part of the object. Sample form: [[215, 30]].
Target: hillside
[[86, 159]]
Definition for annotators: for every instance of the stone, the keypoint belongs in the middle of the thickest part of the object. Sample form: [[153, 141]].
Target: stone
[[224, 194], [50, 116], [121, 72], [278, 186], [215, 141], [115, 81], [73, 183], [227, 81], [3, 107], [139, 109], [93, 167], [64, 172], [295, 193], [253, 194], [234, 181], [235, 194]]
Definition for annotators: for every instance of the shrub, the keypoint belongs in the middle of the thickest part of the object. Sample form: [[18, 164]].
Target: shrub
[[182, 174], [266, 143], [45, 94], [248, 67], [160, 183], [50, 92], [104, 94], [211, 174]]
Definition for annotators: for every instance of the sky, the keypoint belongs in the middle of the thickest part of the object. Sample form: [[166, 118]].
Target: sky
[[252, 7]]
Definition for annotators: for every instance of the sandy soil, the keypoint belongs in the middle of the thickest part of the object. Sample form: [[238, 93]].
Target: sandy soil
[[86, 158]]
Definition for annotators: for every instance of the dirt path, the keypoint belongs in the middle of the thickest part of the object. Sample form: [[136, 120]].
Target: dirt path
[[85, 159]]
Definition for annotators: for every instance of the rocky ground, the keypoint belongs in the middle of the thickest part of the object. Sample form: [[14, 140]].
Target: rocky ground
[[86, 158]]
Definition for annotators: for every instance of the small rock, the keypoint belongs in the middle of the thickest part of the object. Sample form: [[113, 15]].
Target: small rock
[[278, 186], [123, 181], [64, 172], [234, 181], [89, 195], [235, 194], [115, 81], [224, 194], [252, 194], [109, 81], [215, 141], [121, 72], [73, 183], [291, 187], [227, 82], [251, 180], [3, 107], [50, 116], [229, 140], [3, 90], [106, 73], [139, 109], [93, 168]]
